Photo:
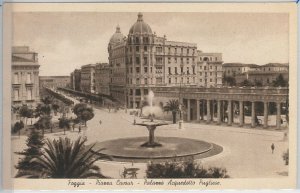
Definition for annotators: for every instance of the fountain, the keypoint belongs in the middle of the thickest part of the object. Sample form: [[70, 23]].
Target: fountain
[[151, 125], [143, 149]]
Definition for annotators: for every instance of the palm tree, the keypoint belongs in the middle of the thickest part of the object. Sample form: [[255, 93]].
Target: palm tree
[[63, 158], [173, 106], [142, 105]]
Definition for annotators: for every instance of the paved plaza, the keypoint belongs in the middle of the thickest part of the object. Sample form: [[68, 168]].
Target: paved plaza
[[246, 152]]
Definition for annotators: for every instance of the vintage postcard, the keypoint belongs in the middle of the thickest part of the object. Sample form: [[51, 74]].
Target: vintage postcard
[[150, 96]]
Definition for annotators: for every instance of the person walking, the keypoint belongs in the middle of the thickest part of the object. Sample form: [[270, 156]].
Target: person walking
[[272, 147], [100, 122]]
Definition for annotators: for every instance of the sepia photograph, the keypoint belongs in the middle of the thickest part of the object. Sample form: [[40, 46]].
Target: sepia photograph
[[151, 98]]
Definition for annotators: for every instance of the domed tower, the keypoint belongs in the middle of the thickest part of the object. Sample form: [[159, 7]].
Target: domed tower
[[139, 59], [116, 38]]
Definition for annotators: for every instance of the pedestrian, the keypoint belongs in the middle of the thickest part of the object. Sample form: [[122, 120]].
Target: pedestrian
[[79, 129], [272, 147], [100, 122]]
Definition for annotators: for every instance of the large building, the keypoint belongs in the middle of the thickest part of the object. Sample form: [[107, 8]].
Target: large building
[[87, 81], [25, 76], [102, 78], [233, 69], [54, 81], [143, 60], [75, 79]]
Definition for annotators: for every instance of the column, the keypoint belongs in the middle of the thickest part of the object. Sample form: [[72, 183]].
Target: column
[[188, 110], [198, 110], [253, 114], [133, 99], [265, 114], [229, 110], [208, 116], [278, 115], [241, 113], [219, 112]]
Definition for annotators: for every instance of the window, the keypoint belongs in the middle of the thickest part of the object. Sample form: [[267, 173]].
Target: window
[[158, 80], [200, 79], [175, 60], [188, 60], [16, 94], [216, 58], [210, 67], [181, 70], [145, 48], [159, 60], [181, 79], [210, 73], [137, 60], [169, 60], [130, 49], [175, 50], [28, 78], [151, 69], [181, 60], [204, 67], [131, 70], [146, 40], [137, 69], [145, 60], [137, 40], [200, 73], [210, 80], [29, 93], [158, 69], [176, 70], [181, 50], [170, 80], [16, 78], [188, 80], [137, 81], [200, 58], [200, 67], [169, 68], [194, 70], [176, 80], [137, 48], [159, 49], [188, 51], [146, 81], [145, 69], [169, 49], [187, 70]]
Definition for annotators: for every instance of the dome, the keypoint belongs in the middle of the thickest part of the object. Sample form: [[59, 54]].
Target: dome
[[140, 27], [117, 37]]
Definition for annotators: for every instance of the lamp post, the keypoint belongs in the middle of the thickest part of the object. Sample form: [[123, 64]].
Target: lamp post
[[180, 105]]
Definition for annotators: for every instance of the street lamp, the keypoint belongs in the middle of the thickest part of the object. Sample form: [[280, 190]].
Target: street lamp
[[180, 104]]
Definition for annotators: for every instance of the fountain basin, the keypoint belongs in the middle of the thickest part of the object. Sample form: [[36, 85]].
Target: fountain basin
[[130, 149]]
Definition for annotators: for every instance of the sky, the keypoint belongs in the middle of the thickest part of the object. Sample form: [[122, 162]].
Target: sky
[[68, 40]]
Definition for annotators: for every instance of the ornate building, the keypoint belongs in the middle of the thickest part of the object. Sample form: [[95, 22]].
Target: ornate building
[[25, 76], [75, 79], [143, 60]]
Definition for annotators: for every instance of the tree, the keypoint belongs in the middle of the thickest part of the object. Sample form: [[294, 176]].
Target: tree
[[25, 166], [229, 80], [173, 106], [83, 112], [24, 112], [17, 127], [55, 107], [63, 158], [280, 82], [246, 83], [43, 123], [186, 169], [64, 123]]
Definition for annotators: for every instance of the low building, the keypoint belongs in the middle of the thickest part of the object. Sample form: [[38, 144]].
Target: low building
[[263, 78], [25, 76], [54, 81], [87, 81], [233, 69], [102, 78]]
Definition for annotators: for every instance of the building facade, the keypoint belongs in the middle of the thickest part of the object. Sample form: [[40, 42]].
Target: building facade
[[54, 81], [87, 81], [143, 60], [25, 76], [75, 79], [102, 78], [233, 69]]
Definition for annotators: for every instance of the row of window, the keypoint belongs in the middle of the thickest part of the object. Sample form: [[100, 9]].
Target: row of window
[[181, 70], [172, 80], [17, 94], [139, 40], [208, 67], [159, 60], [28, 78], [208, 58]]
